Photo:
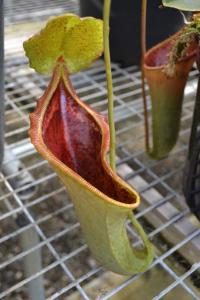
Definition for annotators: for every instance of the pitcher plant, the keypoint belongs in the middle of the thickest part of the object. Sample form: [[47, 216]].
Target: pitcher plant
[[74, 139], [166, 88], [166, 67], [191, 170]]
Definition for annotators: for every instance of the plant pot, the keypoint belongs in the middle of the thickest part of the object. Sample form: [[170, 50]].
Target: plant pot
[[191, 178], [166, 95], [125, 26], [191, 182]]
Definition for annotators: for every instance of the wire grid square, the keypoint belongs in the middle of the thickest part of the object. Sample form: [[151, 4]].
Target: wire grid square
[[68, 269]]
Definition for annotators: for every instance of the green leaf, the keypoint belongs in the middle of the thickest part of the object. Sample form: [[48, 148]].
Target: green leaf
[[189, 5], [78, 41]]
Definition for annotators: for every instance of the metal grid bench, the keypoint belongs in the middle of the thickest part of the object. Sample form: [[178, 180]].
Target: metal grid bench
[[43, 254]]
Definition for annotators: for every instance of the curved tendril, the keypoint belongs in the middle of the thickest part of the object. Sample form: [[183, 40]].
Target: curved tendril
[[186, 17]]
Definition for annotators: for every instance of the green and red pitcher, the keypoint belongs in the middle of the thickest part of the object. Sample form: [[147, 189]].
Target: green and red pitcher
[[166, 92]]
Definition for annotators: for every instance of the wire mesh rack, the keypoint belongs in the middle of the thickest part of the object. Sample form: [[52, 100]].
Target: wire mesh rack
[[43, 253]]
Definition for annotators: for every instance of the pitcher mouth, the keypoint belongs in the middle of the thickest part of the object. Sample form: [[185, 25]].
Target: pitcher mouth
[[157, 56], [75, 139]]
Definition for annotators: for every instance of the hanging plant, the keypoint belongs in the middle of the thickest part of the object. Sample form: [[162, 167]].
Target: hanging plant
[[166, 67], [166, 83], [74, 139]]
